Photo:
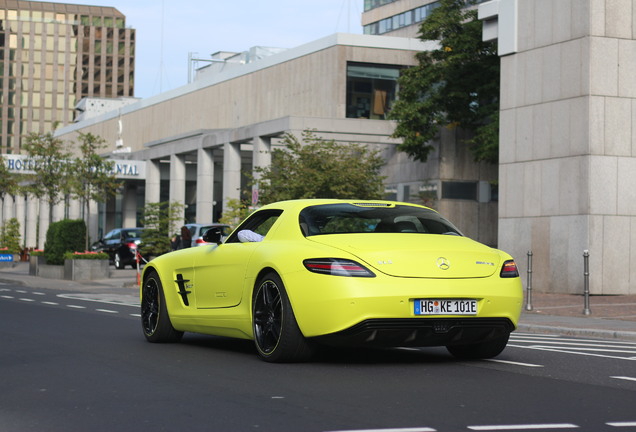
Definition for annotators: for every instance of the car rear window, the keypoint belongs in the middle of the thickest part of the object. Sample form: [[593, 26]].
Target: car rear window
[[132, 233], [348, 218]]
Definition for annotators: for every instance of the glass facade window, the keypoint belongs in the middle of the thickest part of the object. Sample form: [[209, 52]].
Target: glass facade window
[[36, 52], [404, 19], [372, 4], [371, 89]]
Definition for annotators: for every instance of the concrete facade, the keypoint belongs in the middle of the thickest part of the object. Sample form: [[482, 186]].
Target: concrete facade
[[567, 144]]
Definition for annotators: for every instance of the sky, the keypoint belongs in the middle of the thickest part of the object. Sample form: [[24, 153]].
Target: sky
[[168, 30]]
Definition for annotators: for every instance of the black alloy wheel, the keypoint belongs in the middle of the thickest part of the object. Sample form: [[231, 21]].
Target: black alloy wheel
[[155, 321], [276, 333]]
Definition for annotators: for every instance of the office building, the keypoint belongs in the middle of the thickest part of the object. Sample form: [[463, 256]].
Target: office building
[[51, 56]]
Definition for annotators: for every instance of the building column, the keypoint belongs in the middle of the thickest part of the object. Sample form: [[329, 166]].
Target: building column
[[59, 211], [8, 209], [92, 222], [231, 172], [20, 215], [567, 163], [31, 235], [177, 180], [129, 206], [205, 185], [44, 222], [261, 157], [75, 209], [153, 181]]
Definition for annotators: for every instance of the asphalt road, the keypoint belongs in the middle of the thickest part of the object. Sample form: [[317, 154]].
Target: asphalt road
[[80, 363]]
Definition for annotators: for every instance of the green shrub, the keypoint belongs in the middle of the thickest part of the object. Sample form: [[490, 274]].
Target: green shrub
[[10, 236], [61, 237]]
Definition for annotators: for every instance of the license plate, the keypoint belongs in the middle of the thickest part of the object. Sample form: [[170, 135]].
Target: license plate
[[445, 307]]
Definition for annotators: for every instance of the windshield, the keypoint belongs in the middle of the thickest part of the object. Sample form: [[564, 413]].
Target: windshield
[[349, 218]]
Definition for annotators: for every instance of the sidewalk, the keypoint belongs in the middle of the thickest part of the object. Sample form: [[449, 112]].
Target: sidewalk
[[610, 317]]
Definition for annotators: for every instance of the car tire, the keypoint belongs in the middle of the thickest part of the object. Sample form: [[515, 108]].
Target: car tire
[[155, 321], [276, 334], [119, 265], [482, 350]]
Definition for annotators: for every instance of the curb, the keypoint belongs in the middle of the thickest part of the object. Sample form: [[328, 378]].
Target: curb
[[580, 332]]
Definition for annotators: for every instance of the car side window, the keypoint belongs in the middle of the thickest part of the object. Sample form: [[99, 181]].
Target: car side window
[[259, 222]]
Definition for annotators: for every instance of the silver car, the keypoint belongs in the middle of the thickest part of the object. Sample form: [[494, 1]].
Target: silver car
[[197, 231]]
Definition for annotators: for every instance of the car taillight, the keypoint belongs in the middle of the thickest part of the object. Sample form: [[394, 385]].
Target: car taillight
[[337, 267], [509, 269], [131, 245], [200, 241]]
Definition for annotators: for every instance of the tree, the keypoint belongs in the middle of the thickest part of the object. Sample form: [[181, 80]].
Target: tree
[[92, 178], [160, 222], [455, 85], [51, 177], [234, 212], [320, 169]]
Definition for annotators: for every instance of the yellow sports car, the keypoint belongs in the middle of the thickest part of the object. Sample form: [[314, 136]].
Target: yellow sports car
[[298, 274]]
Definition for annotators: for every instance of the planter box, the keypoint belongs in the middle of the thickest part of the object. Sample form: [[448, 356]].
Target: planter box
[[78, 269], [50, 271], [86, 269], [34, 264]]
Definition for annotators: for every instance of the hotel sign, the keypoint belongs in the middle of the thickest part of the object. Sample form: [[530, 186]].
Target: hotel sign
[[123, 169]]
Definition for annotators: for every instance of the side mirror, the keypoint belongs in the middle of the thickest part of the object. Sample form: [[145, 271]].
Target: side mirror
[[213, 235]]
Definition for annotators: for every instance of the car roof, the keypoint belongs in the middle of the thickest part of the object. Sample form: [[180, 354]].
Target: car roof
[[299, 204]]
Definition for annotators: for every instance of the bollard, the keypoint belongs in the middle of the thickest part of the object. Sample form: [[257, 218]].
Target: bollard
[[586, 282], [529, 296]]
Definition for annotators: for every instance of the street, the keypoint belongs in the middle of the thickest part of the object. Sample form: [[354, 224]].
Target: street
[[78, 361]]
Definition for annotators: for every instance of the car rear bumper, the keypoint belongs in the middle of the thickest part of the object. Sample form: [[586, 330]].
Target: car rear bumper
[[325, 305], [417, 332]]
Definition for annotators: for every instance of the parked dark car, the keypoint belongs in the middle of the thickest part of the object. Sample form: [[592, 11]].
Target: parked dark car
[[120, 244]]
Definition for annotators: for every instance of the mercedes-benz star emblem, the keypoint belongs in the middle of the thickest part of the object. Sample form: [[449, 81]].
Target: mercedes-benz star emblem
[[443, 263]]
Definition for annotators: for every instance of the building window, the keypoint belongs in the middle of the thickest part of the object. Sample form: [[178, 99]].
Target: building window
[[372, 4], [371, 89], [398, 21], [459, 190]]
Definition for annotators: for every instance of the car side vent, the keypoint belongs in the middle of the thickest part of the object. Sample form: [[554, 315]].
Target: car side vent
[[371, 204]]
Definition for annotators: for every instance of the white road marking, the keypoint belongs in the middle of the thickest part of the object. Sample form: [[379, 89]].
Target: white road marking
[[417, 429], [514, 363], [136, 315], [624, 378], [106, 310], [525, 427], [583, 343], [571, 352], [26, 299], [119, 300], [50, 303], [76, 306], [622, 424], [7, 296]]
